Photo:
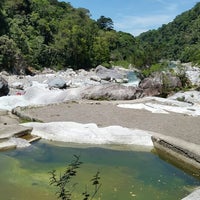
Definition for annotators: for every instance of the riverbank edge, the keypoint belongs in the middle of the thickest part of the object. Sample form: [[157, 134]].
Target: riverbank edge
[[182, 154]]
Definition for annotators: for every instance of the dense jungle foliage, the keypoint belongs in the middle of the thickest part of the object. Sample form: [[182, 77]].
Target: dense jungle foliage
[[49, 33], [53, 34], [178, 40]]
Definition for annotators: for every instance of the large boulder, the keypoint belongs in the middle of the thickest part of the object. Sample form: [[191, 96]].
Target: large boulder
[[193, 74], [111, 92], [160, 84], [4, 89], [172, 82], [151, 86], [110, 74], [57, 82]]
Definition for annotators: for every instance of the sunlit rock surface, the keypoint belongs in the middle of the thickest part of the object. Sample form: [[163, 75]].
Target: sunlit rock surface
[[193, 196], [90, 133], [165, 106]]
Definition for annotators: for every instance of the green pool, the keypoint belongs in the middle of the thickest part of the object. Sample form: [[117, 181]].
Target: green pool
[[124, 174]]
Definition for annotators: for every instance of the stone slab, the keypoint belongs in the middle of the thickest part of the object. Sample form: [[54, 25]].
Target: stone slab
[[8, 131], [193, 196], [7, 146]]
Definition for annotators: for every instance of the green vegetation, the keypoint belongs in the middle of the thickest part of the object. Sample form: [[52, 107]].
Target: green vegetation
[[158, 67], [53, 34], [178, 40], [64, 182]]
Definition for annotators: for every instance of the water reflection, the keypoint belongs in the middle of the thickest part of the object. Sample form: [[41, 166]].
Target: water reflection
[[124, 174]]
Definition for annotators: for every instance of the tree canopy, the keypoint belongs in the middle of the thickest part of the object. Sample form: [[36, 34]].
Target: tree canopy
[[178, 40], [105, 23], [49, 33], [54, 34]]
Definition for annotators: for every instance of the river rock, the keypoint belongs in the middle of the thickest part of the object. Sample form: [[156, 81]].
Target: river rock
[[151, 86], [17, 85], [4, 89], [110, 92], [110, 74], [193, 196], [95, 78], [57, 82], [159, 84], [193, 74]]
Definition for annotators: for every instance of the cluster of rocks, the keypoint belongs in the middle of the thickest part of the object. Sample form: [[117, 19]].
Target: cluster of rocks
[[17, 84], [160, 84], [99, 83], [13, 135]]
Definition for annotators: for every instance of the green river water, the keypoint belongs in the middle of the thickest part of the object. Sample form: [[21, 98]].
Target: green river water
[[124, 174]]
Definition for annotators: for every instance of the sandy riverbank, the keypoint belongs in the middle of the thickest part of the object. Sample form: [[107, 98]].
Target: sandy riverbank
[[107, 113], [177, 133]]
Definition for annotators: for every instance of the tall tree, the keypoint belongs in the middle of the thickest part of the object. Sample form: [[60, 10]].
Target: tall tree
[[105, 23], [2, 19], [8, 53]]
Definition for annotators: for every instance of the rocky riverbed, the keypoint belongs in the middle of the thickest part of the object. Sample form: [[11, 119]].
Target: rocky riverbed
[[130, 112]]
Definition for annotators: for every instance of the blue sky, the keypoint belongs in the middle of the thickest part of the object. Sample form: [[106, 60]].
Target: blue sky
[[135, 16]]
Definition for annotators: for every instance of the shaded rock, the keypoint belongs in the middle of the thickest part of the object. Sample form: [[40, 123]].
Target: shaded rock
[[159, 84], [57, 82], [174, 82], [4, 89], [110, 92], [151, 86], [30, 71]]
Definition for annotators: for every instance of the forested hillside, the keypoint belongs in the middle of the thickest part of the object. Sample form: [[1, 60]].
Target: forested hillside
[[179, 39], [53, 34], [49, 33]]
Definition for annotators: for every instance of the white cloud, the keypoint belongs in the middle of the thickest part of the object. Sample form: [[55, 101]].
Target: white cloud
[[168, 6], [136, 31], [139, 24]]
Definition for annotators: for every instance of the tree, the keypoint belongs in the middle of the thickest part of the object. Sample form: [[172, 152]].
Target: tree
[[175, 40], [105, 23], [10, 57], [3, 25]]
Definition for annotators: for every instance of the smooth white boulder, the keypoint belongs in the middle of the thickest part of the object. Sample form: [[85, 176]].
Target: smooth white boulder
[[164, 106], [193, 196], [39, 95], [73, 132]]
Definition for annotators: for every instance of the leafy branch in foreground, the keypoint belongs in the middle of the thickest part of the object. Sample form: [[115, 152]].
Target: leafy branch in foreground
[[63, 182]]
